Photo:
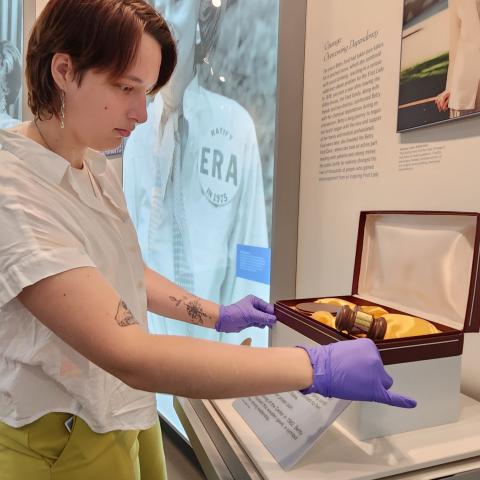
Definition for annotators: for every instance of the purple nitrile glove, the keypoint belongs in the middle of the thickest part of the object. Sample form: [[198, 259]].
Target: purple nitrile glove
[[250, 311], [352, 370]]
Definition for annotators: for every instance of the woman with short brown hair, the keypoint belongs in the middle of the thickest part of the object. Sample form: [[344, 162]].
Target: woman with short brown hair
[[77, 364]]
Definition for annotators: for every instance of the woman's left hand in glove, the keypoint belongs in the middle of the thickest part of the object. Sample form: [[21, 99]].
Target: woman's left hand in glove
[[250, 311]]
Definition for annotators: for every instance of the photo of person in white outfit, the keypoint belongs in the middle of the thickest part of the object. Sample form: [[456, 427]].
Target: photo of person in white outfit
[[462, 93]]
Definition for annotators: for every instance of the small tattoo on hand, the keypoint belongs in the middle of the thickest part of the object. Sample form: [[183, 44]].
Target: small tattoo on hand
[[124, 316]]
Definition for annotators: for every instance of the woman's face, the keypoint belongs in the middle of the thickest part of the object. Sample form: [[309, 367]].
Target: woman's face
[[182, 16], [101, 112]]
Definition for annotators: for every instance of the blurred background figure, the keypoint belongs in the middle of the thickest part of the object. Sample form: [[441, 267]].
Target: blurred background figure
[[10, 81], [193, 174], [193, 178]]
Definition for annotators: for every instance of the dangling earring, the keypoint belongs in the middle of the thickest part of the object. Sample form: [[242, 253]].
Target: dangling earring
[[62, 110], [198, 35], [3, 94]]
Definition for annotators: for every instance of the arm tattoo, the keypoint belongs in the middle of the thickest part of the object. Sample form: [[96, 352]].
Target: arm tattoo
[[124, 316], [177, 301], [194, 309]]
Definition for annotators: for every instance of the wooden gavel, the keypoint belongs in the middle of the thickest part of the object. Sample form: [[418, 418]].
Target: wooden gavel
[[348, 319]]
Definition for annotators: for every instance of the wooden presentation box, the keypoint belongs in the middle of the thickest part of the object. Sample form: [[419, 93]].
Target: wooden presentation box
[[418, 263]]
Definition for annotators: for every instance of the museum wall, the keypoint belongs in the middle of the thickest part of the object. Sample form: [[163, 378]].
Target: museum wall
[[354, 159]]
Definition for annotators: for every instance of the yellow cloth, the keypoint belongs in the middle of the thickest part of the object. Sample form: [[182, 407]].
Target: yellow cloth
[[374, 310], [45, 450], [398, 325], [324, 317], [335, 301]]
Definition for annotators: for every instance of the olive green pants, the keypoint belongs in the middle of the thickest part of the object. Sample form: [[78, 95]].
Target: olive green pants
[[45, 450]]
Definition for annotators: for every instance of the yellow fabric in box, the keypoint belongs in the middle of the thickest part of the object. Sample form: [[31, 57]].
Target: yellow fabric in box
[[335, 301], [398, 325], [324, 317], [374, 310]]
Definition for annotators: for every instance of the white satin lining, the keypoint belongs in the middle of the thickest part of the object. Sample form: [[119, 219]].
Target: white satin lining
[[419, 264]]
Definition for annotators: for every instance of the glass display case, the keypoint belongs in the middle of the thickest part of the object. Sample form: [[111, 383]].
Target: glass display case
[[198, 175]]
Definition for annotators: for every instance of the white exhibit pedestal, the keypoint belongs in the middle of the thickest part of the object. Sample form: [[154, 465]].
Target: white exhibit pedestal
[[339, 456], [437, 394]]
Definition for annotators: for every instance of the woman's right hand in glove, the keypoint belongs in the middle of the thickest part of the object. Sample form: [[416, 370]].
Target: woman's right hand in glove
[[352, 370]]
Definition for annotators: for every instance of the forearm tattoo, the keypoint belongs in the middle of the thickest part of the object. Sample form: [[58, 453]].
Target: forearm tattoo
[[193, 308], [124, 316]]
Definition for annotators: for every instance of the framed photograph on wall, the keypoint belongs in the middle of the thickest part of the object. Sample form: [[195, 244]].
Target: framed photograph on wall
[[440, 62]]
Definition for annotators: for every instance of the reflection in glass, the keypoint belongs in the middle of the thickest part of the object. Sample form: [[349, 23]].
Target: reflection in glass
[[194, 173], [11, 35]]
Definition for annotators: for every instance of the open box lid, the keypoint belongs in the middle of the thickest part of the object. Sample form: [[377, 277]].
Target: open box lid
[[422, 263]]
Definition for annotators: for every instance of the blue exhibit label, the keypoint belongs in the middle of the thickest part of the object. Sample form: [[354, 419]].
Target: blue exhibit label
[[253, 263]]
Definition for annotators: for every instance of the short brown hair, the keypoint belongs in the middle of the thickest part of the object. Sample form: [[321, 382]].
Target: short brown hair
[[102, 35]]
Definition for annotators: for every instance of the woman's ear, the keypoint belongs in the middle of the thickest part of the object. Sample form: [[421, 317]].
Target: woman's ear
[[62, 70]]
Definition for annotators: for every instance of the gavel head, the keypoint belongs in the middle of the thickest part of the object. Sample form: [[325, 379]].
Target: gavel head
[[351, 320]]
